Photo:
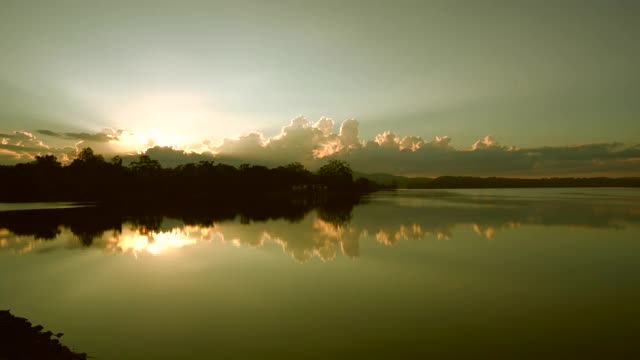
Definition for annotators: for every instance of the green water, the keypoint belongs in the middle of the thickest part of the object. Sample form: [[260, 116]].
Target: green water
[[512, 273]]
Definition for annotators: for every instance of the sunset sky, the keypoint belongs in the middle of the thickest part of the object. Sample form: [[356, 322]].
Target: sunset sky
[[510, 88]]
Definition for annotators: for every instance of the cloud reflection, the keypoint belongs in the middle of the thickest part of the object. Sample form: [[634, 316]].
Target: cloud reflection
[[326, 232]]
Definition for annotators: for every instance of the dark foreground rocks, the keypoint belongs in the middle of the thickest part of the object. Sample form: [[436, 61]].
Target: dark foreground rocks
[[19, 340]]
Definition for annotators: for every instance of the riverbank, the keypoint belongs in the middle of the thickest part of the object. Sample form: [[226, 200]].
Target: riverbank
[[19, 340]]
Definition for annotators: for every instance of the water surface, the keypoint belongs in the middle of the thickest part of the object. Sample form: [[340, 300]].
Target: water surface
[[40, 205], [551, 273]]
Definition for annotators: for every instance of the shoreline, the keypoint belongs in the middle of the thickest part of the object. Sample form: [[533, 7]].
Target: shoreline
[[20, 339]]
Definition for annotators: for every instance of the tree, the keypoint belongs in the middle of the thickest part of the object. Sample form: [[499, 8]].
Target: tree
[[296, 167], [116, 161], [336, 168], [87, 155], [87, 158], [293, 174], [145, 165], [336, 174], [48, 161]]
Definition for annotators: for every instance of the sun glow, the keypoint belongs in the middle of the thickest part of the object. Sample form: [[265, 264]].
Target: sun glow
[[154, 243], [162, 120]]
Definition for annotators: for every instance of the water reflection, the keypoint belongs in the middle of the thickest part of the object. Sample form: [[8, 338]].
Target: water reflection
[[308, 230]]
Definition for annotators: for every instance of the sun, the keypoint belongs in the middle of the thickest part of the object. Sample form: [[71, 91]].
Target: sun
[[157, 137], [161, 120], [138, 141]]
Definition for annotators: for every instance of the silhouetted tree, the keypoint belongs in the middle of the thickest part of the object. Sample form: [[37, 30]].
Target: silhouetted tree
[[116, 161], [47, 161], [337, 174], [145, 165], [87, 155], [90, 178]]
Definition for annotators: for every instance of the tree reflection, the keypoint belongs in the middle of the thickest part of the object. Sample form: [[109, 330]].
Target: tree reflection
[[308, 227], [90, 223]]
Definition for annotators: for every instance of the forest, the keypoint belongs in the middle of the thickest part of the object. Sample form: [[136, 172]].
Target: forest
[[91, 178]]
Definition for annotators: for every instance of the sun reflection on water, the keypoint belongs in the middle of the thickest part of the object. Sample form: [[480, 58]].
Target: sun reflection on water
[[158, 242]]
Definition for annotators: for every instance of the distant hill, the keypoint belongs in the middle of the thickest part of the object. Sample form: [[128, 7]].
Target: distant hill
[[383, 178], [402, 182], [461, 182]]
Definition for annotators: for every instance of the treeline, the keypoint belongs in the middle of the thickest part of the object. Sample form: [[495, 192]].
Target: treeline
[[90, 177], [468, 182]]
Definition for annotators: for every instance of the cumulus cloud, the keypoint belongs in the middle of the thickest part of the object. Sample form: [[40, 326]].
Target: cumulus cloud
[[301, 140], [20, 146], [21, 138], [171, 157], [314, 143], [349, 134], [488, 143], [248, 145]]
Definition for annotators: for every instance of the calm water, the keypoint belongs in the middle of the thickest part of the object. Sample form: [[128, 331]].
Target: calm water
[[465, 273]]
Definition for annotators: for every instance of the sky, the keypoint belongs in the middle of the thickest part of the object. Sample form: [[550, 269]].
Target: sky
[[486, 87]]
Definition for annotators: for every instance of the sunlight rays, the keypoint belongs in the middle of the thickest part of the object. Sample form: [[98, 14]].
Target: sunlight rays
[[154, 119]]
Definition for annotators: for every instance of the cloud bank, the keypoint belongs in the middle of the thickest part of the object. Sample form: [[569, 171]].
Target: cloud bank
[[314, 143]]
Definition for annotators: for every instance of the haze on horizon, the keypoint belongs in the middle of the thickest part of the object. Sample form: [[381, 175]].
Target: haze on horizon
[[510, 88]]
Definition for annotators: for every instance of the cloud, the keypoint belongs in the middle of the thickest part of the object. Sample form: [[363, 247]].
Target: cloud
[[171, 157], [314, 143], [48, 133], [108, 142], [248, 145], [491, 159], [20, 138], [100, 137], [20, 146], [301, 140], [489, 143], [106, 135]]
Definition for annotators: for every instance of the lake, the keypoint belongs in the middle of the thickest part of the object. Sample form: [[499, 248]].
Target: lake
[[513, 273]]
